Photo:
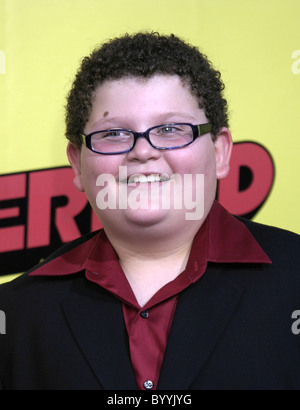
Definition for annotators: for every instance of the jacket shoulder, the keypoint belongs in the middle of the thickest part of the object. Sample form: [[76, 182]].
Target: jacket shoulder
[[267, 231]]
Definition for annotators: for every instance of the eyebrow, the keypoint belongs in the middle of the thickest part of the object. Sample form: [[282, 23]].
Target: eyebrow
[[159, 118], [184, 116]]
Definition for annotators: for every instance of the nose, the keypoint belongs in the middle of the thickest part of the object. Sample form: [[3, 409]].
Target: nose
[[143, 151]]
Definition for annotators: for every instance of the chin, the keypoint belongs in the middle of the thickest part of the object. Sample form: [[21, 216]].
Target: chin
[[147, 222], [147, 217]]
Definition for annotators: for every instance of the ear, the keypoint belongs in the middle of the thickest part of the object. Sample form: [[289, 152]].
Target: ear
[[223, 148], [74, 156]]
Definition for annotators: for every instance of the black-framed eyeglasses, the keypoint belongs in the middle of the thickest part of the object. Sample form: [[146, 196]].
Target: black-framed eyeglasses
[[163, 137]]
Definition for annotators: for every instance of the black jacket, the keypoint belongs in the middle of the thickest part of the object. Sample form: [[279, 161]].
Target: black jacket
[[231, 330]]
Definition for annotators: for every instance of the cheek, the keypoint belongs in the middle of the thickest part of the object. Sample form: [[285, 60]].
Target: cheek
[[200, 160], [93, 165], [91, 168], [195, 159]]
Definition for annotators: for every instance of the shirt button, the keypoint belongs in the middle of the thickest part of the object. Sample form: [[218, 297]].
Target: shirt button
[[144, 315], [148, 384]]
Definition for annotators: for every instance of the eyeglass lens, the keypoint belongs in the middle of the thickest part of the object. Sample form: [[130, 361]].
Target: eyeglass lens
[[165, 136]]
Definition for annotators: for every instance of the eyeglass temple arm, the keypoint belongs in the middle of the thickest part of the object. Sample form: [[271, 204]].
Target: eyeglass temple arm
[[204, 128]]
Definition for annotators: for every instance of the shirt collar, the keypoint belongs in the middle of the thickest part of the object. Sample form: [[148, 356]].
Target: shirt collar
[[221, 239], [230, 241]]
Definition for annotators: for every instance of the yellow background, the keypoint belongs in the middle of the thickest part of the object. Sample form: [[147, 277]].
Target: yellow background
[[250, 41]]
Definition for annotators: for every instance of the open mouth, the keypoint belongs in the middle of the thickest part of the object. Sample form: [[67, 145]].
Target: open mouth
[[141, 179]]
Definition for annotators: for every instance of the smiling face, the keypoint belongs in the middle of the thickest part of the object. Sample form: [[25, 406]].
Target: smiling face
[[138, 104]]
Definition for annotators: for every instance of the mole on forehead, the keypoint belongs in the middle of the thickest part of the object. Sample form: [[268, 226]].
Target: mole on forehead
[[106, 114]]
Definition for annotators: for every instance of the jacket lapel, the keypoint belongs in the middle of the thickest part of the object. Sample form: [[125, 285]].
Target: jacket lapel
[[96, 320], [202, 313]]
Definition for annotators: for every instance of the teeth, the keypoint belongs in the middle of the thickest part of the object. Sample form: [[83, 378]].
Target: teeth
[[147, 178]]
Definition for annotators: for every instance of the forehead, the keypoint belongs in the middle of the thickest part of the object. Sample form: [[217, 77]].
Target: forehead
[[143, 97], [159, 84]]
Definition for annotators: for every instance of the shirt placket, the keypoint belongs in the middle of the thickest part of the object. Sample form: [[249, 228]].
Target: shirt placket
[[148, 330]]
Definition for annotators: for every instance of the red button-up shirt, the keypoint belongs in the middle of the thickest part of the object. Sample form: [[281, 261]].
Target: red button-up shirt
[[221, 239]]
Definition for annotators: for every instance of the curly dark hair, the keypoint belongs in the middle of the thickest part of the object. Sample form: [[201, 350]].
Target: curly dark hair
[[144, 55]]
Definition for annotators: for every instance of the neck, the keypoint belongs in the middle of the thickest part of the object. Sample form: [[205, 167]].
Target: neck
[[150, 264], [147, 245]]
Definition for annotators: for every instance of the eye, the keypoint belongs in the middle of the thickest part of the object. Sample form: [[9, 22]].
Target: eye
[[111, 133], [118, 134], [168, 129]]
